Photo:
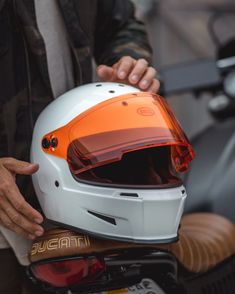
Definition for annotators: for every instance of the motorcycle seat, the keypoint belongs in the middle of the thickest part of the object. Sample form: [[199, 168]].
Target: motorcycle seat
[[205, 240]]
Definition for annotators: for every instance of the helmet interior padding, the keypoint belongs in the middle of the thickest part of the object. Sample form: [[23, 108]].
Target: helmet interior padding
[[145, 167]]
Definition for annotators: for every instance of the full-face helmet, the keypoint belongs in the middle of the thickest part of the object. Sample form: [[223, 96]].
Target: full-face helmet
[[109, 158]]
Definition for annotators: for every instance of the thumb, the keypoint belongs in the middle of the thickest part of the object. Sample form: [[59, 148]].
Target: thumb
[[19, 167], [105, 73]]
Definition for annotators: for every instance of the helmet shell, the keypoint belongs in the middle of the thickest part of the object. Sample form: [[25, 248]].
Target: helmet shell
[[139, 215]]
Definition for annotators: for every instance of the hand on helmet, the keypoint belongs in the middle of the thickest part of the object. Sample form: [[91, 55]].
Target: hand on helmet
[[15, 213], [130, 71]]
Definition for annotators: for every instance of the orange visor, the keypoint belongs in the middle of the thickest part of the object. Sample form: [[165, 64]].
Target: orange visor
[[126, 123]]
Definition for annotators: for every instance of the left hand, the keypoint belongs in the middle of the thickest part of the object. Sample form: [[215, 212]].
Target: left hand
[[132, 72]]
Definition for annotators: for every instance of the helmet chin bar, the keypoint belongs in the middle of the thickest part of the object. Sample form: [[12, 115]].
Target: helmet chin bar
[[110, 212], [136, 215]]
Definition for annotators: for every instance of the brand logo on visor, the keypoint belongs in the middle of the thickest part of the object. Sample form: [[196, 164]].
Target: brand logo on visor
[[145, 111]]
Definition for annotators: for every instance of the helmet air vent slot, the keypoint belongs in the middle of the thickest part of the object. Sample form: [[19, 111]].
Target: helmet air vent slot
[[129, 194], [103, 217]]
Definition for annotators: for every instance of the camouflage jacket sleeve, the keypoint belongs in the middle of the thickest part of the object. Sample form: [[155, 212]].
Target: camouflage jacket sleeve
[[118, 33]]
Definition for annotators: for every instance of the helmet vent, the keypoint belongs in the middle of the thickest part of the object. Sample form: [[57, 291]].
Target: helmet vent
[[103, 217], [129, 194]]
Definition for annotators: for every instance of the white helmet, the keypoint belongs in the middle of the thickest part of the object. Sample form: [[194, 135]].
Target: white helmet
[[108, 156]]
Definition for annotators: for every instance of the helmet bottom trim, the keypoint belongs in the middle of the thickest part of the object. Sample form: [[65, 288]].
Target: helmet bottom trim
[[108, 237]]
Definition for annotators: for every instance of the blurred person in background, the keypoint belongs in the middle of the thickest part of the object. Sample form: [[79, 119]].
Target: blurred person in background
[[46, 49]]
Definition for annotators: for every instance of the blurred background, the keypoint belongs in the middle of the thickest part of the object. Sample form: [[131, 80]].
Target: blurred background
[[179, 32]]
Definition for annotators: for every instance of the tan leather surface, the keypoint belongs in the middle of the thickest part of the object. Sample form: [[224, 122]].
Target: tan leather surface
[[204, 240]]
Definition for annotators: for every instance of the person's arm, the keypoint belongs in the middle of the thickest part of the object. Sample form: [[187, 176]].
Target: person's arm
[[122, 47], [15, 213]]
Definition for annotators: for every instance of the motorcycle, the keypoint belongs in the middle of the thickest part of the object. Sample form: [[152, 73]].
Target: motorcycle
[[210, 186], [203, 258], [202, 261]]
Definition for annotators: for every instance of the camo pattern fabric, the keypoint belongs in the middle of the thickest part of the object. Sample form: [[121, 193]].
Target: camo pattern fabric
[[104, 30]]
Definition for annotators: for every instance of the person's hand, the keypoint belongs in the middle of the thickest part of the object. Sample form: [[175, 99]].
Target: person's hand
[[15, 213], [132, 72]]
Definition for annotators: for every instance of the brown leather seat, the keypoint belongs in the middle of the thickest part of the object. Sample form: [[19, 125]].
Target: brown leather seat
[[204, 241]]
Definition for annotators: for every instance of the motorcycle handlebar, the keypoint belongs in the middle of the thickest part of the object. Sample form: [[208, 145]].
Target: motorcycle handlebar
[[198, 75]]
